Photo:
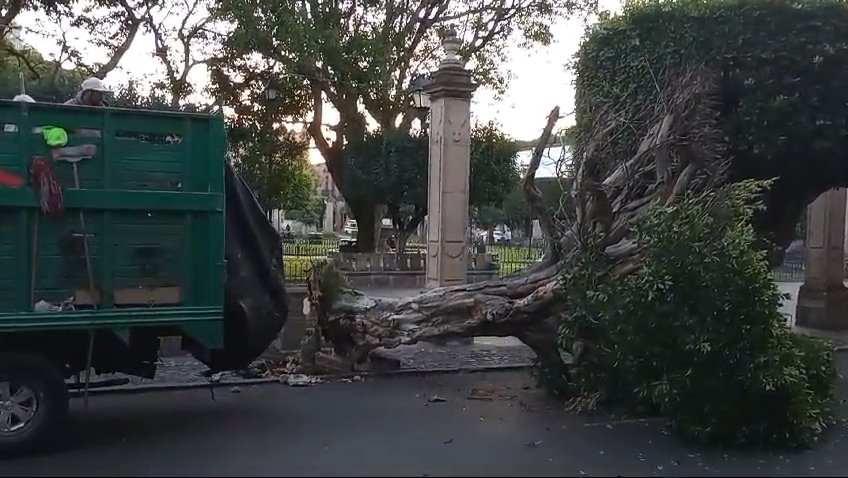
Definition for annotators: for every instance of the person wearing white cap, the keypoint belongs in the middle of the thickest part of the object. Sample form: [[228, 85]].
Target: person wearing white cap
[[92, 93]]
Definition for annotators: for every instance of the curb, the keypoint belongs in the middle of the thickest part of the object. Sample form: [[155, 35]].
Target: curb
[[169, 387]]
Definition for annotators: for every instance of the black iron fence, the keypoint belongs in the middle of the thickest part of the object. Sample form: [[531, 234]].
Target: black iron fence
[[789, 272], [302, 247], [300, 256]]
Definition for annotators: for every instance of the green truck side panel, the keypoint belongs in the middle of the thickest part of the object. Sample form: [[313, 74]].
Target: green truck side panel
[[153, 199]]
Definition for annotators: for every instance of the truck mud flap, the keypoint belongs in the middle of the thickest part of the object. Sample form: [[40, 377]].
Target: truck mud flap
[[255, 307]]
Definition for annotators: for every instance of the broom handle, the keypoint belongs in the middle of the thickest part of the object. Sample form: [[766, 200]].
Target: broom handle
[[34, 259], [85, 243]]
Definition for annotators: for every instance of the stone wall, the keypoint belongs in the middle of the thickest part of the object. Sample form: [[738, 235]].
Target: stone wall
[[402, 271], [391, 262], [404, 279]]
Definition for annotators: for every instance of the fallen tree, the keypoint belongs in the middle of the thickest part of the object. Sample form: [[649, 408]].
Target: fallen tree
[[680, 154], [631, 158]]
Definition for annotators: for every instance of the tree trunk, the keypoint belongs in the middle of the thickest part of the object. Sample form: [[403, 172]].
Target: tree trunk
[[367, 225], [402, 239], [524, 307], [379, 241], [490, 235]]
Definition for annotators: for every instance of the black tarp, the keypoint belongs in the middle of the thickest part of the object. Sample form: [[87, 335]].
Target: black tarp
[[255, 306]]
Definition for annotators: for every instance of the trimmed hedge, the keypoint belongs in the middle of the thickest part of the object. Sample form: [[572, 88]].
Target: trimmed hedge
[[784, 85]]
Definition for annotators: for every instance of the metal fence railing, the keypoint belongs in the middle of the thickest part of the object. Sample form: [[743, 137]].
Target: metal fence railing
[[310, 247], [300, 255], [789, 272], [297, 268]]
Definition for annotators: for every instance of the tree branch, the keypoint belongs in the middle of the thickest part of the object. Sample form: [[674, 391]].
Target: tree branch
[[532, 193], [14, 8], [23, 58], [121, 50]]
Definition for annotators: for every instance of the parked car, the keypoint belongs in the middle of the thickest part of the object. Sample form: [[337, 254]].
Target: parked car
[[350, 227], [500, 237]]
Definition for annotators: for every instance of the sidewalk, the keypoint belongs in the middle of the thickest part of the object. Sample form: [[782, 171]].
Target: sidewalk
[[484, 353]]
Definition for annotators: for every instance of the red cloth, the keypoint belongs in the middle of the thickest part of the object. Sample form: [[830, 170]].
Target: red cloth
[[10, 180], [50, 191]]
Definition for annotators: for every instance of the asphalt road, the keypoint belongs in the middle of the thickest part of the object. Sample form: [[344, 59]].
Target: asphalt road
[[388, 427]]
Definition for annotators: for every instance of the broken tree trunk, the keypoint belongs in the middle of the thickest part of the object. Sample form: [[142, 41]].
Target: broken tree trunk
[[525, 307], [680, 153]]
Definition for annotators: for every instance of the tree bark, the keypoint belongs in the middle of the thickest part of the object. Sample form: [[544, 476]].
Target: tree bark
[[525, 307], [363, 213]]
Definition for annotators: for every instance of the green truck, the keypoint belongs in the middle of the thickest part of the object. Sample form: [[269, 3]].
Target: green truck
[[118, 227]]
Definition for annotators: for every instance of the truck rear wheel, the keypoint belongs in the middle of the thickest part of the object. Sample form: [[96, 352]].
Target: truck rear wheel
[[33, 402]]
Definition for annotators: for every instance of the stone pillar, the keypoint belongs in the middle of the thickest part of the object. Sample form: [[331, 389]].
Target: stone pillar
[[450, 91], [329, 222], [823, 299]]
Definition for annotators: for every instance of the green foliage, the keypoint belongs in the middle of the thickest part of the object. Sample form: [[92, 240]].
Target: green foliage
[[388, 168], [47, 84], [489, 216], [391, 169], [311, 213], [696, 333], [516, 210], [369, 51], [494, 167], [783, 83], [275, 165]]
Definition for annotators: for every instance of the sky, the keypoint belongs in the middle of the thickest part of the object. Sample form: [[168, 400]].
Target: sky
[[540, 80]]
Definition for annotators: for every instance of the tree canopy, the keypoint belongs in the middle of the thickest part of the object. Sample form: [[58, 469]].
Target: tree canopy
[[782, 85], [391, 169], [361, 58]]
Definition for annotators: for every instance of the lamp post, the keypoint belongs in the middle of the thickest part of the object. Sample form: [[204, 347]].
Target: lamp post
[[268, 95], [420, 98]]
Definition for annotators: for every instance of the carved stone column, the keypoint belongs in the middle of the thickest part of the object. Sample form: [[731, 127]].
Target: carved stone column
[[450, 92]]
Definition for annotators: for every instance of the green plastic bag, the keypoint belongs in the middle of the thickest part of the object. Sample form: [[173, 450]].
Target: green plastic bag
[[54, 136]]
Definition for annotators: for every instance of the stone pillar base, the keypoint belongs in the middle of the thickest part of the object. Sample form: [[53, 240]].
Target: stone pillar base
[[822, 309]]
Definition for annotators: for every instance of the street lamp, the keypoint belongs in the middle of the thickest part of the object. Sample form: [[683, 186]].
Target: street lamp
[[270, 93], [420, 99]]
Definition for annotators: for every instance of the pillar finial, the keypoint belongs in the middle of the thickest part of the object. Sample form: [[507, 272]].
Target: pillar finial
[[451, 44]]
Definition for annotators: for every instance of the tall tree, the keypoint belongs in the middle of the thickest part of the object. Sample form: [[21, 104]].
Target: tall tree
[[270, 152], [360, 58], [39, 78], [311, 214], [185, 36], [92, 36], [517, 211], [113, 25], [391, 169], [10, 9], [273, 162]]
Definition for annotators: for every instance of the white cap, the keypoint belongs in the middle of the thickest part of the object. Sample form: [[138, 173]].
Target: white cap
[[23, 98], [94, 84]]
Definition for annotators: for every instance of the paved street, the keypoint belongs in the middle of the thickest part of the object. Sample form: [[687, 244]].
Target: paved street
[[389, 426]]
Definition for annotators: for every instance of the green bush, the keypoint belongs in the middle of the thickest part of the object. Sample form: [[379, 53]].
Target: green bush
[[783, 73], [696, 333]]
